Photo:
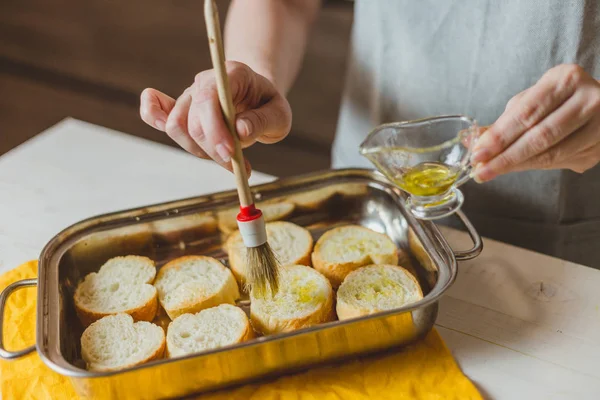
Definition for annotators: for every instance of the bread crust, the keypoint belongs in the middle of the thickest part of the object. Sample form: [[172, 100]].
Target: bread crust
[[144, 312], [337, 272], [346, 310], [227, 295], [266, 324], [269, 324], [317, 198], [158, 353], [247, 334]]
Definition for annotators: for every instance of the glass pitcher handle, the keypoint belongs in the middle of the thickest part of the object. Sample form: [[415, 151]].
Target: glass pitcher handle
[[465, 176], [467, 173]]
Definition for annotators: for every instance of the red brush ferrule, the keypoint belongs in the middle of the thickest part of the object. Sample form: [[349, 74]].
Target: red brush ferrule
[[249, 213]]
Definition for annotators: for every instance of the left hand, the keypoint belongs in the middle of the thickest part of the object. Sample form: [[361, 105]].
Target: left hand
[[554, 124]]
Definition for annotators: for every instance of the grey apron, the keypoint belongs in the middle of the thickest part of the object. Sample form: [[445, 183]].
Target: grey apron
[[412, 59]]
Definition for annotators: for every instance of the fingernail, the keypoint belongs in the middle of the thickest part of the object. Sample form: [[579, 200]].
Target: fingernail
[[223, 152], [160, 124], [243, 127], [480, 155], [483, 173]]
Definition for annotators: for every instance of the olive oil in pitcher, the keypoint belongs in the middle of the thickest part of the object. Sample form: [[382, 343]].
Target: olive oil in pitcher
[[427, 179]]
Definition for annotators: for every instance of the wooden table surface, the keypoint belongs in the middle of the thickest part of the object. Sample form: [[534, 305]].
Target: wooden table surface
[[522, 325]]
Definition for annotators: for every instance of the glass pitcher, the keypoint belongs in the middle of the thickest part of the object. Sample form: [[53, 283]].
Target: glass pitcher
[[427, 158]]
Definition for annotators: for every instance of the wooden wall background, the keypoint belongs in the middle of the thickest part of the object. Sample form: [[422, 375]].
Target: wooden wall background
[[91, 59]]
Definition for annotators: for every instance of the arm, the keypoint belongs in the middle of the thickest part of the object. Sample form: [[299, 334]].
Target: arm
[[270, 36]]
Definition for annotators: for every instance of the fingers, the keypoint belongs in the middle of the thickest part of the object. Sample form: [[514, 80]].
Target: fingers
[[579, 162], [528, 110], [195, 121], [267, 124], [178, 129], [206, 125], [574, 153], [559, 124], [177, 126], [514, 100], [155, 107]]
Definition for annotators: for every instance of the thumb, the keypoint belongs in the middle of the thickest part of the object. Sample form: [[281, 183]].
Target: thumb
[[268, 124]]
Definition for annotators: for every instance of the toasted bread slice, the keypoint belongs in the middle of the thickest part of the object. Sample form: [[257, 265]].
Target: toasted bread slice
[[122, 285], [274, 211], [304, 298], [117, 342], [342, 250], [291, 244], [212, 328], [192, 283], [376, 288]]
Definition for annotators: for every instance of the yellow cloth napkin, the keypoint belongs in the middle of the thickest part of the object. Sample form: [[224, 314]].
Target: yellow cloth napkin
[[423, 371]]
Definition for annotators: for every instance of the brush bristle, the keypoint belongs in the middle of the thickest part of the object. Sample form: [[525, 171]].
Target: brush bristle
[[263, 270]]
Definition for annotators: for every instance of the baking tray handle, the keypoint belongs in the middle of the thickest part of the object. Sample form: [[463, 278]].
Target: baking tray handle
[[13, 287], [477, 242]]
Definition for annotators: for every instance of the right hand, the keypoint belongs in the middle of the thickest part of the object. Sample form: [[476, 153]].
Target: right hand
[[195, 121]]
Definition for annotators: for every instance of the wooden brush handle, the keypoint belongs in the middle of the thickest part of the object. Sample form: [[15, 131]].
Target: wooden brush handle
[[217, 54]]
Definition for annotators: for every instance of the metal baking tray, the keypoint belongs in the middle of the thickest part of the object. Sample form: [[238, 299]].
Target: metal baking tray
[[165, 231]]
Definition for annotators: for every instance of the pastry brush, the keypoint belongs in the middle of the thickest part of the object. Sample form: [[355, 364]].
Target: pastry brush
[[262, 266]]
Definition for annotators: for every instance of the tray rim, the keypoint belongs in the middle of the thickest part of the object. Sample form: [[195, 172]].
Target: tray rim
[[426, 231]]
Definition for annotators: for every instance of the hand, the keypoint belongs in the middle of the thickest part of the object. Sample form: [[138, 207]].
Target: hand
[[555, 124], [195, 121]]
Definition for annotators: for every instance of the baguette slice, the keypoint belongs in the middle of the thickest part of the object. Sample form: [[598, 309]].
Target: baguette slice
[[342, 250], [304, 298], [117, 342], [291, 244], [376, 288], [212, 328], [198, 224], [192, 283], [315, 199], [271, 212], [122, 285]]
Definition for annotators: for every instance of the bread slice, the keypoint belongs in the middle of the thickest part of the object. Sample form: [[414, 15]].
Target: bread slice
[[304, 298], [291, 243], [342, 250], [103, 245], [192, 283], [117, 342], [122, 285], [315, 199], [212, 328], [274, 211], [419, 252], [376, 288], [197, 224]]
